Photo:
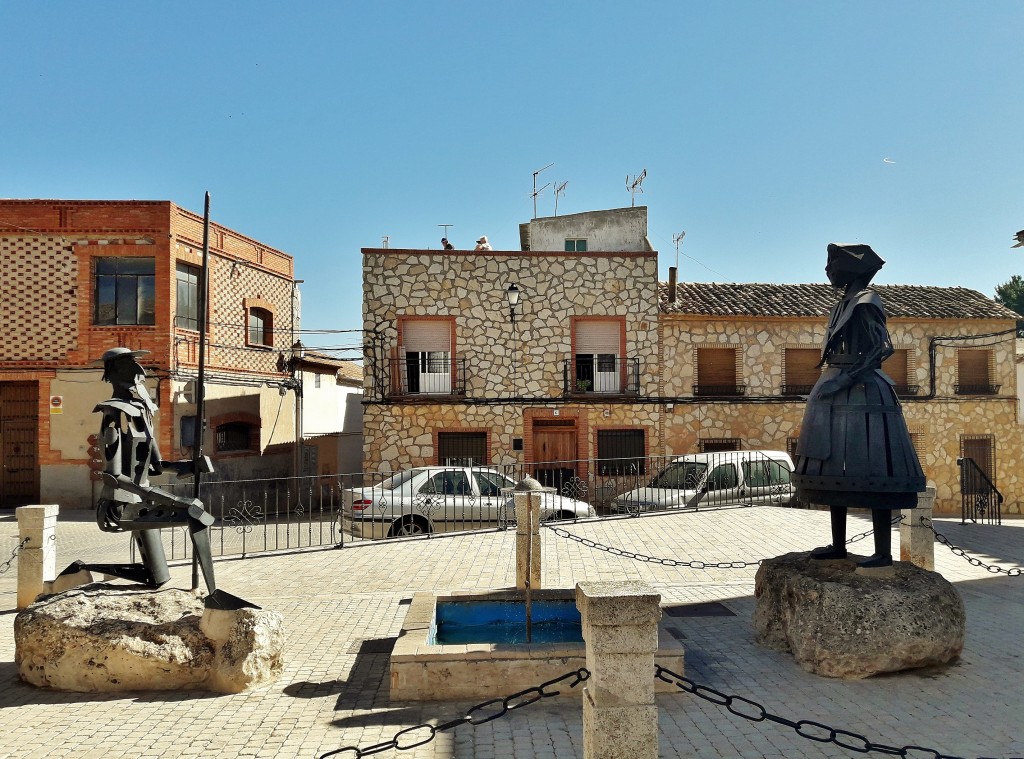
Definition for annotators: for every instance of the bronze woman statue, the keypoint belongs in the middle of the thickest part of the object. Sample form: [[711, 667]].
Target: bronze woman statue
[[854, 447]]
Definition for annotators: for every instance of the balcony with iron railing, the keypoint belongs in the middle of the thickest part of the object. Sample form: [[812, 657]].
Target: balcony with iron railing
[[601, 375], [723, 391], [428, 375], [795, 389], [976, 389]]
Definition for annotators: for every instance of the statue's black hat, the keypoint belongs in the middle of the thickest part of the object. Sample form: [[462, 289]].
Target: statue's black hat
[[116, 354], [853, 259]]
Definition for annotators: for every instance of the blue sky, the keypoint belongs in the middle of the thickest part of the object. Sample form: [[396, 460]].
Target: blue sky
[[321, 127]]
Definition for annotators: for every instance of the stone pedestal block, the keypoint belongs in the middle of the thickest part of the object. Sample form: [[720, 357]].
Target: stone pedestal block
[[620, 628], [104, 638], [840, 624], [528, 567], [917, 542], [37, 561]]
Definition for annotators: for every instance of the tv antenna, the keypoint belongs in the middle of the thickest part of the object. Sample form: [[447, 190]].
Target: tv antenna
[[634, 185], [537, 192], [677, 240], [559, 190]]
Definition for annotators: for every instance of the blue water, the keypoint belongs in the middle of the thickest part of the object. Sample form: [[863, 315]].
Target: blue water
[[554, 621]]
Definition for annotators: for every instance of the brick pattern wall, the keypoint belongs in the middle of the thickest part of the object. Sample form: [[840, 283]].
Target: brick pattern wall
[[38, 299]]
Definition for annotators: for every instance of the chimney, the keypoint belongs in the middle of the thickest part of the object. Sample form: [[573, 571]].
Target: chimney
[[671, 284]]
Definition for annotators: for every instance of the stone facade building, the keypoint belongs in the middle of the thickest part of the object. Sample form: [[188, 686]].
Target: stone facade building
[[603, 362], [80, 277]]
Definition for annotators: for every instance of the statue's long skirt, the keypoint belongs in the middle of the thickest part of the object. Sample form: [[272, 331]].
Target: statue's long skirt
[[855, 450]]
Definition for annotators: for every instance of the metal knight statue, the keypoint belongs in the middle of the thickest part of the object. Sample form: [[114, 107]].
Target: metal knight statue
[[854, 447], [128, 503]]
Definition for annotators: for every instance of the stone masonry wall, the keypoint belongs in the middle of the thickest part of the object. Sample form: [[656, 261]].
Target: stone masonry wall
[[470, 289], [937, 425]]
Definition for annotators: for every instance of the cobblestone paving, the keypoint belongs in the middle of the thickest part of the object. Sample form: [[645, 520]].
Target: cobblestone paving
[[331, 695]]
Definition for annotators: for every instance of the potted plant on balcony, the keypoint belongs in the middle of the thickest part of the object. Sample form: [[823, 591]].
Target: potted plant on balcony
[[582, 385]]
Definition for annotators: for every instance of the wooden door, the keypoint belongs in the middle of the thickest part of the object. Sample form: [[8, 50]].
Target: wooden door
[[554, 455], [19, 465]]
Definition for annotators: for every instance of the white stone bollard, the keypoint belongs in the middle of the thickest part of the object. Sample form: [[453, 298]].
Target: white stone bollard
[[37, 560], [527, 505], [620, 629], [917, 541]]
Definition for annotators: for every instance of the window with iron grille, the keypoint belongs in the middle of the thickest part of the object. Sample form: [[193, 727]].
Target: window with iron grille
[[717, 372], [235, 436], [714, 445], [802, 370], [186, 310], [973, 373], [621, 452], [462, 448], [791, 444], [125, 290]]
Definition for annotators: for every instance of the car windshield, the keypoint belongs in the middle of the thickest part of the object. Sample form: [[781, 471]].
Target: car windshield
[[683, 475], [396, 481]]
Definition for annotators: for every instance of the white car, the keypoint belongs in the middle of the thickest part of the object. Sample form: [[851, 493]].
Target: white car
[[728, 478], [439, 499]]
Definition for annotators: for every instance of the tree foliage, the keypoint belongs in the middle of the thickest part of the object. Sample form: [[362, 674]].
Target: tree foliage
[[1011, 295]]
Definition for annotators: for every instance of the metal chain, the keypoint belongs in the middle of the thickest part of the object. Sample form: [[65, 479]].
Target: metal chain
[[1012, 572], [418, 735], [693, 564], [805, 728], [14, 554]]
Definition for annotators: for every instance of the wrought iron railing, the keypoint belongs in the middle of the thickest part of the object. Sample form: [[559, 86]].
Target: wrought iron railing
[[974, 389], [980, 498], [790, 389], [261, 516], [719, 390], [429, 376], [601, 375]]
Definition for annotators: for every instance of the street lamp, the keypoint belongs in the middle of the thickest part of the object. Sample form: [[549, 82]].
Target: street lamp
[[512, 293]]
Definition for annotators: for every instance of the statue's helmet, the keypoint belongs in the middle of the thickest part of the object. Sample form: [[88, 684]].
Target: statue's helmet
[[115, 355], [847, 262]]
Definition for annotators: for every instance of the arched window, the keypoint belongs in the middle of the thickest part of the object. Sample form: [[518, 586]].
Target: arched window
[[260, 327]]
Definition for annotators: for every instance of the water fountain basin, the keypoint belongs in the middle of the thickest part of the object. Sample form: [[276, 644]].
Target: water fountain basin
[[426, 668]]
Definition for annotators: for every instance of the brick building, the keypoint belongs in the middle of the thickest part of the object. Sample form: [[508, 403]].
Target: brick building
[[602, 364], [80, 277]]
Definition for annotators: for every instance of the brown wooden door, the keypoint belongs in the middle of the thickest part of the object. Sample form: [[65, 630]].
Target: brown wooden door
[[19, 464], [554, 455]]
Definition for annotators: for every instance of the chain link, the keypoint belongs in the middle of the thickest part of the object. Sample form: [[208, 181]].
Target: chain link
[[805, 728], [993, 569], [692, 564], [494, 708], [14, 554]]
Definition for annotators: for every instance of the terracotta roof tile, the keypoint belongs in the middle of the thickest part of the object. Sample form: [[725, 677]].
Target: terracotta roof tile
[[757, 299]]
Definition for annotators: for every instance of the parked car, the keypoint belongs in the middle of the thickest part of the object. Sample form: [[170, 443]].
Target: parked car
[[727, 478], [439, 499]]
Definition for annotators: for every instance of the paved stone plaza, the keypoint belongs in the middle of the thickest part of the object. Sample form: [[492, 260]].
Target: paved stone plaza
[[334, 690]]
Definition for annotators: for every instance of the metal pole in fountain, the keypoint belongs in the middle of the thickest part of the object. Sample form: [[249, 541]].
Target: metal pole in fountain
[[528, 497]]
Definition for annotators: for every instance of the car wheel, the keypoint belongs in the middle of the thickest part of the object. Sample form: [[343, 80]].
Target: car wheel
[[409, 526], [560, 516]]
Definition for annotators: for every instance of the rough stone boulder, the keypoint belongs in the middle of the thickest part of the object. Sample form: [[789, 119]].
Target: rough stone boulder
[[840, 624], [101, 638]]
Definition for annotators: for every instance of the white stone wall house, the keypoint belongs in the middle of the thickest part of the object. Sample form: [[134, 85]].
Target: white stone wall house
[[445, 365], [600, 362]]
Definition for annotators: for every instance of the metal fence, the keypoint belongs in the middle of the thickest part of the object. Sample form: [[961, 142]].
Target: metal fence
[[256, 516]]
